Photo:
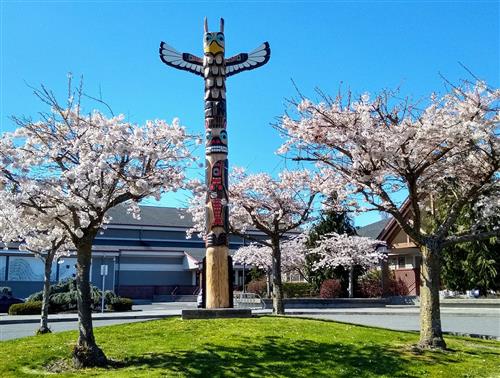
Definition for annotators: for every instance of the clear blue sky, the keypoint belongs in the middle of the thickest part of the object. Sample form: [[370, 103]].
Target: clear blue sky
[[365, 45]]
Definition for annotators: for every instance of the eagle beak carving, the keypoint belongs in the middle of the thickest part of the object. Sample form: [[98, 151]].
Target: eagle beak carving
[[214, 48]]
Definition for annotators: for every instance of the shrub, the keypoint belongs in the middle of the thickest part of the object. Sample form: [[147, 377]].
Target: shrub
[[120, 304], [27, 308], [63, 296], [330, 289], [5, 291], [297, 289], [61, 302], [257, 274], [397, 287], [370, 285], [109, 296], [257, 287]]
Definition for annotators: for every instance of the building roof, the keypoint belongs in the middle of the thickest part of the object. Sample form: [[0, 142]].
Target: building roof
[[152, 216], [159, 216], [373, 230], [392, 228]]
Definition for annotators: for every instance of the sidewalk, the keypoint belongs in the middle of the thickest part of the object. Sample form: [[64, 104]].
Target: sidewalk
[[165, 310], [139, 314]]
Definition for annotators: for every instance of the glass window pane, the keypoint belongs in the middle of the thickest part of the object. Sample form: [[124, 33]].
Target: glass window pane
[[401, 262], [67, 268], [25, 269], [3, 262]]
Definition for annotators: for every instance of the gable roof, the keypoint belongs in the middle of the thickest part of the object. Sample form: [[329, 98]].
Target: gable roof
[[373, 230], [152, 216], [386, 229], [393, 227]]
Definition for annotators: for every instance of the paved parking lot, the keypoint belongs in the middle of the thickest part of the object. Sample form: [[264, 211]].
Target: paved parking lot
[[15, 331], [461, 324]]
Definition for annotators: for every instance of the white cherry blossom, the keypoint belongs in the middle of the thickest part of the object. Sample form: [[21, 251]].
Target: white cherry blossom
[[273, 206], [373, 150], [71, 167]]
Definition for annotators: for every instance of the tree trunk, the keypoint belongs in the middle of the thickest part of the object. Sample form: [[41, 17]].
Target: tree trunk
[[278, 307], [86, 352], [350, 288], [431, 335], [268, 283], [44, 320]]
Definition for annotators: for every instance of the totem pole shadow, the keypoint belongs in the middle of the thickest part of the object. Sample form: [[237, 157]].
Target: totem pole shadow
[[276, 357]]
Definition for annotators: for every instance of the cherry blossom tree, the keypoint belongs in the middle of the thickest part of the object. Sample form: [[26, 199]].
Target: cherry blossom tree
[[258, 256], [32, 232], [335, 250], [274, 207], [373, 150], [328, 221], [293, 255], [73, 167]]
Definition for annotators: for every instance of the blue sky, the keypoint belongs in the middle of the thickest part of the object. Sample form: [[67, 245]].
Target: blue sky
[[363, 45]]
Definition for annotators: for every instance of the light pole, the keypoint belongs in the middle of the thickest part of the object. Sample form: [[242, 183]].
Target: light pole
[[104, 273]]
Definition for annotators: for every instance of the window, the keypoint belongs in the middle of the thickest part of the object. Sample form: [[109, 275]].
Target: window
[[401, 262], [393, 262], [3, 266], [67, 268], [25, 269]]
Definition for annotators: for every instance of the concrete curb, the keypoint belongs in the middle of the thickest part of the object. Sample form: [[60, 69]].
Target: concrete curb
[[371, 311], [380, 313], [473, 335]]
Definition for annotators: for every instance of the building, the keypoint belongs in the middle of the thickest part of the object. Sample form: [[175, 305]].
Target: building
[[403, 254], [145, 258]]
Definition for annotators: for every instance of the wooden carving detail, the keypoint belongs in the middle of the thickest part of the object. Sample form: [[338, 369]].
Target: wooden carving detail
[[214, 68]]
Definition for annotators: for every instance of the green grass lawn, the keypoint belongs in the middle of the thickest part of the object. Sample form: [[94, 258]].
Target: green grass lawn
[[257, 347]]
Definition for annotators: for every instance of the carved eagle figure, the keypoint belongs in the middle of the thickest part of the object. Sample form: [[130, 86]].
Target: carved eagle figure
[[213, 46]]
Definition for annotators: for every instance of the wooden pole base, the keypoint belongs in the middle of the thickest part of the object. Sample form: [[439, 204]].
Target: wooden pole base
[[217, 280]]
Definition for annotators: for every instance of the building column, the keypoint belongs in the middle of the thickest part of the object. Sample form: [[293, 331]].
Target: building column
[[7, 258], [384, 267]]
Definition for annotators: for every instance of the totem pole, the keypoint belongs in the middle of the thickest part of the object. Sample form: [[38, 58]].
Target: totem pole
[[214, 68]]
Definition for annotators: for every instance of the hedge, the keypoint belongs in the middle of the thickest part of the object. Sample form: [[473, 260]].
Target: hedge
[[27, 308], [6, 291], [120, 304], [297, 289]]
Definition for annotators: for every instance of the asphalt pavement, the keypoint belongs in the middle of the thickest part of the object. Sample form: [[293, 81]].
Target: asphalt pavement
[[457, 324], [478, 321], [15, 331]]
